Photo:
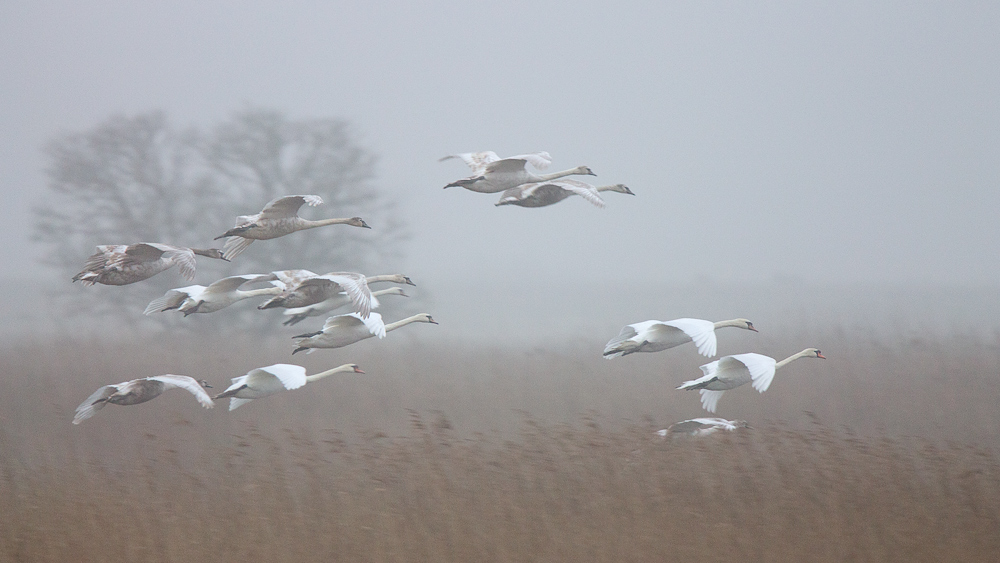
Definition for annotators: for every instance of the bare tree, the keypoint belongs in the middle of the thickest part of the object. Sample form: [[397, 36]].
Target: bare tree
[[135, 179]]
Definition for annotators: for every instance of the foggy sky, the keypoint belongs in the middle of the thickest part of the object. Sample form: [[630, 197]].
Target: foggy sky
[[849, 143]]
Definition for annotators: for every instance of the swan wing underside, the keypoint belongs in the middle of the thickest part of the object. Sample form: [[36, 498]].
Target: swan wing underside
[[701, 332], [506, 166], [235, 403], [761, 369], [288, 206], [290, 376], [88, 408], [710, 399], [189, 384], [173, 299], [356, 288], [477, 161], [584, 190], [232, 283], [610, 349], [235, 245]]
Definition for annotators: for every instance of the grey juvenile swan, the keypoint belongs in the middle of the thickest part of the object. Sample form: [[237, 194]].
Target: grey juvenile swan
[[492, 174], [541, 194], [120, 264], [139, 391]]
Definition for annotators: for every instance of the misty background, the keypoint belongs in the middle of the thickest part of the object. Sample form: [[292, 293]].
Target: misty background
[[802, 166]]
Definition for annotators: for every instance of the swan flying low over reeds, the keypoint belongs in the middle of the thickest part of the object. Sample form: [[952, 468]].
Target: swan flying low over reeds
[[219, 295], [701, 427], [261, 382], [141, 390], [730, 372], [342, 330], [654, 336]]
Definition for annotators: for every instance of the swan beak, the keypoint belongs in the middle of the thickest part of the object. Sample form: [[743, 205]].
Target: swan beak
[[409, 281], [752, 328], [820, 355], [432, 321], [206, 385], [628, 191], [364, 225], [357, 370]]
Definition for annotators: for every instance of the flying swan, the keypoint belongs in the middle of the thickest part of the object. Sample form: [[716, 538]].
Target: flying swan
[[299, 314], [342, 330], [492, 174], [701, 427], [261, 382], [541, 194], [219, 295], [277, 219], [730, 372], [120, 264], [139, 391], [320, 288], [654, 336]]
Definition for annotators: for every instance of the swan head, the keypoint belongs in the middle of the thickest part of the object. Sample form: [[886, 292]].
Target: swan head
[[745, 324], [408, 281], [204, 384], [425, 318], [354, 368], [357, 222], [813, 353], [622, 189], [585, 171]]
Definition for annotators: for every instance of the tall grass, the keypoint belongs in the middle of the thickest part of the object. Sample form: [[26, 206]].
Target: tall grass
[[885, 452]]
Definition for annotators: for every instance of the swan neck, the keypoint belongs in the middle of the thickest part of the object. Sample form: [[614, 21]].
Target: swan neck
[[790, 359], [264, 291], [608, 188], [307, 224], [555, 175], [381, 278], [403, 322], [322, 374], [731, 322]]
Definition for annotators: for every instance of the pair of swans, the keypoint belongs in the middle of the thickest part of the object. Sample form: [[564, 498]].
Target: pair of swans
[[730, 372], [219, 295], [343, 330], [541, 194], [492, 174], [257, 383], [655, 336], [121, 264], [277, 219]]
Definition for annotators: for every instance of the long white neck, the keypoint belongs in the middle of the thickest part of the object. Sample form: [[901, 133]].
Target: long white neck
[[307, 224], [609, 188], [732, 322], [403, 322], [555, 175], [390, 291], [386, 278], [329, 372], [792, 358]]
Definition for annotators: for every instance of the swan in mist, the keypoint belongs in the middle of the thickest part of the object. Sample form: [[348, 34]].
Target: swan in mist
[[141, 390], [277, 219], [320, 288], [120, 264], [219, 295], [261, 382], [654, 336], [541, 194], [341, 330], [299, 314], [730, 372], [492, 174], [701, 427]]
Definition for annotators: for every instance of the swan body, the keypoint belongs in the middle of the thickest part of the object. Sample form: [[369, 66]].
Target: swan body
[[655, 336], [541, 194], [261, 382], [219, 295], [702, 427], [277, 219], [492, 174], [730, 372], [299, 314], [320, 288], [342, 330], [121, 264], [139, 391]]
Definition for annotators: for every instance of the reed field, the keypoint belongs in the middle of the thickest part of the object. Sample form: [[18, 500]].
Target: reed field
[[887, 451]]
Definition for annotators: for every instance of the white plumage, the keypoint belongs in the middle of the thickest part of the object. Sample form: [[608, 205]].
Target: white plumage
[[655, 336], [343, 330], [492, 174], [268, 380]]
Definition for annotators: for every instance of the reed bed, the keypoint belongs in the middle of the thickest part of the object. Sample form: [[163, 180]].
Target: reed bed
[[500, 455]]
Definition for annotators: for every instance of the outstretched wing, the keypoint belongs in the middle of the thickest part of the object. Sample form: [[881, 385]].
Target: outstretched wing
[[701, 332], [356, 287], [288, 206], [187, 383], [173, 299], [290, 376], [144, 252], [477, 161], [373, 323], [88, 408], [235, 245], [232, 283], [611, 348], [710, 399], [761, 369]]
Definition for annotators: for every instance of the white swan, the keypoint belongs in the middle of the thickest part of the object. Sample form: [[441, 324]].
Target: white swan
[[120, 264], [492, 174], [701, 427], [342, 330], [219, 295], [299, 314], [139, 391], [320, 288], [261, 382], [730, 372], [541, 194], [654, 336], [277, 219]]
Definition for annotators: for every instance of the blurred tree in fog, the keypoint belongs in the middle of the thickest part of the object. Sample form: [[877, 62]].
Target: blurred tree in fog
[[137, 179]]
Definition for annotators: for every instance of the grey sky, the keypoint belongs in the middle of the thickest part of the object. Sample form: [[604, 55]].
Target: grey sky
[[853, 142]]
